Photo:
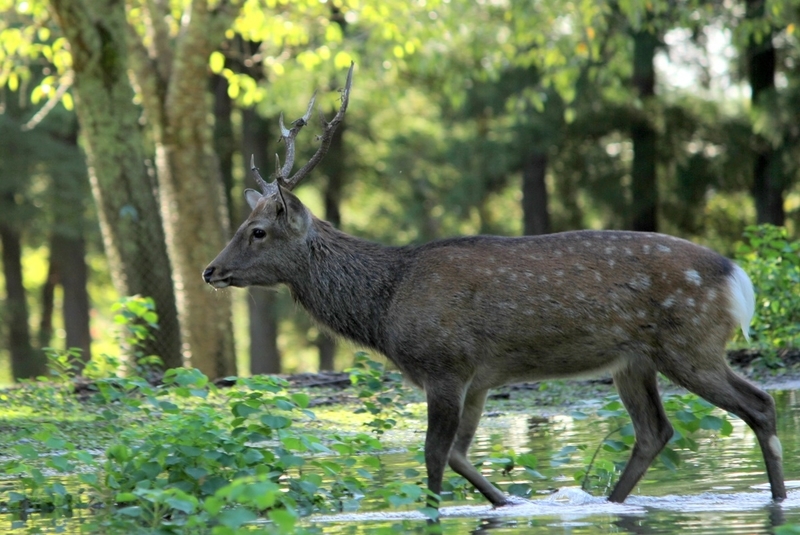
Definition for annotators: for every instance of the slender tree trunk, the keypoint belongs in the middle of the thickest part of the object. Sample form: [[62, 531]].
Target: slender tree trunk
[[534, 194], [768, 183], [70, 253], [48, 306], [129, 217], [644, 187], [264, 354], [333, 166], [26, 362]]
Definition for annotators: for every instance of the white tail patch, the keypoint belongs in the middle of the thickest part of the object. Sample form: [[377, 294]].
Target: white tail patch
[[743, 299]]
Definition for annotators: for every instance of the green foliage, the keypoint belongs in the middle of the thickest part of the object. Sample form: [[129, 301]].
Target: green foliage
[[379, 391], [772, 261]]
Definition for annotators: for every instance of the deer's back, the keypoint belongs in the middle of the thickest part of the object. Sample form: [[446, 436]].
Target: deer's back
[[554, 305]]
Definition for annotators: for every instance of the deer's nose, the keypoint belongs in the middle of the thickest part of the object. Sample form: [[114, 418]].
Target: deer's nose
[[207, 274]]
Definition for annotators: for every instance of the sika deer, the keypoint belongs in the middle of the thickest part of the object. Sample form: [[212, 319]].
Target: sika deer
[[462, 315]]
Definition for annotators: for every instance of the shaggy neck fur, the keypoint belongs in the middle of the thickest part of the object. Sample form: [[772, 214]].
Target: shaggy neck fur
[[349, 283]]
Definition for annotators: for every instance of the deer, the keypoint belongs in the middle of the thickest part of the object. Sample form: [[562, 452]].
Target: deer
[[462, 315]]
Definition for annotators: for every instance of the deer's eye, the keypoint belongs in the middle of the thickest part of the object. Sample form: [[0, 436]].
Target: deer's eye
[[258, 233]]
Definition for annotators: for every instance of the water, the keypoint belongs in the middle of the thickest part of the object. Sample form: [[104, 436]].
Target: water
[[721, 488]]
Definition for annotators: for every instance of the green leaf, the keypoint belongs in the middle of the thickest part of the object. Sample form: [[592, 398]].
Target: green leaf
[[284, 519], [185, 505], [301, 399], [134, 511], [522, 490], [726, 429], [235, 517], [243, 410], [196, 473], [711, 423], [168, 407], [614, 445], [275, 422], [213, 505], [431, 512], [670, 458]]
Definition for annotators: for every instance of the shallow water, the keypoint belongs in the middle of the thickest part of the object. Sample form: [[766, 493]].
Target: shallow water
[[721, 488]]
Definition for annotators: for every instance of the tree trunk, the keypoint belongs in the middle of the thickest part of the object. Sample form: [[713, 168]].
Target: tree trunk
[[193, 203], [767, 173], [534, 194], [47, 304], [70, 254], [25, 361], [264, 354], [131, 227], [644, 188], [224, 143], [333, 166]]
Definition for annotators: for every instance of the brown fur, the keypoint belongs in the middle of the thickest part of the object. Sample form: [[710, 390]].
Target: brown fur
[[462, 315]]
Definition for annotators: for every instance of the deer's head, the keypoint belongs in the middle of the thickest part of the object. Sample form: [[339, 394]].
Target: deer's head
[[270, 242]]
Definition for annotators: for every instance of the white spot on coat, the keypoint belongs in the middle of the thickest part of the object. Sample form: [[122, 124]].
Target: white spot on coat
[[640, 281], [693, 277], [663, 248]]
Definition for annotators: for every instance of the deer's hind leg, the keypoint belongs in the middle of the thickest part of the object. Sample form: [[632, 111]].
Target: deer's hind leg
[[638, 391], [719, 385]]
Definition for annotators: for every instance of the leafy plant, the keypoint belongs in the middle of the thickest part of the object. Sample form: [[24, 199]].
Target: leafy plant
[[773, 263]]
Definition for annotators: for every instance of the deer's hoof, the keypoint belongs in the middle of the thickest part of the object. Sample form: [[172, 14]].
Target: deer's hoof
[[510, 501]]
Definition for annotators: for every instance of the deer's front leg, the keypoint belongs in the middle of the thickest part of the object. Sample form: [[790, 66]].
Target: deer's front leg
[[445, 399], [459, 460]]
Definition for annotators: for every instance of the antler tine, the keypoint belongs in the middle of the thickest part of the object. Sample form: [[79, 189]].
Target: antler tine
[[261, 182], [327, 134], [289, 136]]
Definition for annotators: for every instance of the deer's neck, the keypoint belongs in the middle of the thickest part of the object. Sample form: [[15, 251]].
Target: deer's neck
[[348, 284]]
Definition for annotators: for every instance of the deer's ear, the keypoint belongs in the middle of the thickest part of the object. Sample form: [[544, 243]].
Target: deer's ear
[[252, 197], [297, 215]]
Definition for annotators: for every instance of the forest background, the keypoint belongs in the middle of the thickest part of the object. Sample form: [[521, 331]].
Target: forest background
[[126, 129]]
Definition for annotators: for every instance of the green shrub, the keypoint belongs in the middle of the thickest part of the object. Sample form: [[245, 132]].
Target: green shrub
[[773, 263]]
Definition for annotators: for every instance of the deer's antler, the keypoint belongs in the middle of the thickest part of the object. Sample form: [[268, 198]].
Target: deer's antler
[[289, 135], [325, 139]]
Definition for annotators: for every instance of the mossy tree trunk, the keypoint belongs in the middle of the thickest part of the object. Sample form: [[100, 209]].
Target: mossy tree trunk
[[123, 190], [172, 74]]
